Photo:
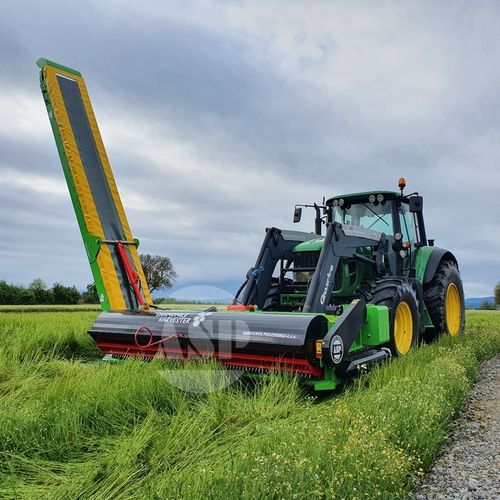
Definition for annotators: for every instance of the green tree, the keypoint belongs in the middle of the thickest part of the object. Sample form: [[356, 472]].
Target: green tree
[[65, 294], [497, 294], [38, 284], [5, 292], [89, 296], [12, 294], [25, 296], [159, 271], [486, 305], [41, 294]]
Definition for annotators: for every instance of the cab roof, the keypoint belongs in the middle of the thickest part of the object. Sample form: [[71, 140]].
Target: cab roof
[[364, 195]]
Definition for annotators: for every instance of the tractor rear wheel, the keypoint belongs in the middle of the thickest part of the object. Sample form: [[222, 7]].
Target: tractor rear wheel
[[444, 298], [404, 317]]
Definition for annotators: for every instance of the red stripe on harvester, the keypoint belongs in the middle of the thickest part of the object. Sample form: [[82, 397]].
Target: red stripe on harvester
[[251, 361], [132, 276]]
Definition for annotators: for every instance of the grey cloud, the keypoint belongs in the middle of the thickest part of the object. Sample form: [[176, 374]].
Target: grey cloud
[[244, 107]]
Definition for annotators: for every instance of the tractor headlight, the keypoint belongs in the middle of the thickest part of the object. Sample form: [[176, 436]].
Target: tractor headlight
[[380, 198], [371, 198]]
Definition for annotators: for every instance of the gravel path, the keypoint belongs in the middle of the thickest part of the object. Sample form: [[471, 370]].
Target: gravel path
[[468, 467]]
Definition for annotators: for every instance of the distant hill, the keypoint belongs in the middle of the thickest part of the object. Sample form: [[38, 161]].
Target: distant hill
[[474, 303]]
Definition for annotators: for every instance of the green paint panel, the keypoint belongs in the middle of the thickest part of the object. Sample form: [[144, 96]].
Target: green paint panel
[[314, 245], [421, 258], [376, 328], [42, 62]]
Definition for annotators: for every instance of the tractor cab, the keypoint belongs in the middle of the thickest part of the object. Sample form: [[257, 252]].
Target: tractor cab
[[392, 229], [374, 210], [398, 216]]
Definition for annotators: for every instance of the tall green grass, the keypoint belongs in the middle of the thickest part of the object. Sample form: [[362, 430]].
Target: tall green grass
[[74, 427]]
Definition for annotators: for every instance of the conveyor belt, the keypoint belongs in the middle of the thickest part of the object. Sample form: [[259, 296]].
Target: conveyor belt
[[92, 186]]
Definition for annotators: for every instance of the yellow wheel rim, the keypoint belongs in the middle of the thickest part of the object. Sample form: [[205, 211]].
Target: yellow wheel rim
[[403, 328], [453, 310]]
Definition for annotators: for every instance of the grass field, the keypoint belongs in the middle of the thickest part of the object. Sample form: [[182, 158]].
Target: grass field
[[97, 307], [72, 426]]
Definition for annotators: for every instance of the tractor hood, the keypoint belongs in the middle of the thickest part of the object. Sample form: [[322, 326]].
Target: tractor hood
[[314, 245]]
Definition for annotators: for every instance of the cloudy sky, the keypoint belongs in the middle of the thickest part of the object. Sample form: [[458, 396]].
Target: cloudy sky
[[219, 116]]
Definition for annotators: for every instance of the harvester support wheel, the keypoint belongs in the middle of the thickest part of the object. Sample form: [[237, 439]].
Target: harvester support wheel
[[444, 298], [404, 317]]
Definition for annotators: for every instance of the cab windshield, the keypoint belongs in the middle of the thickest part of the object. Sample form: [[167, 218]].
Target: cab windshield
[[376, 216]]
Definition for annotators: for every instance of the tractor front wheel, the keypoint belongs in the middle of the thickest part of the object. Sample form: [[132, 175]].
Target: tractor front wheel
[[404, 318], [444, 298]]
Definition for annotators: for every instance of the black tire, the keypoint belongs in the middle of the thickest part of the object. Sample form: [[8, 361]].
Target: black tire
[[392, 292], [272, 301], [436, 292]]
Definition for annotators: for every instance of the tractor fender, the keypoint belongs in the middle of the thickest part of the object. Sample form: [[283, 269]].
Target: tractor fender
[[435, 258]]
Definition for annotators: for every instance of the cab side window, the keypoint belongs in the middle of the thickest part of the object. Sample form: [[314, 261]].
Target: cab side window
[[407, 224]]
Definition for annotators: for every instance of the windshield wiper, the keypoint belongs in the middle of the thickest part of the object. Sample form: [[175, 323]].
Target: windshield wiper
[[373, 211]]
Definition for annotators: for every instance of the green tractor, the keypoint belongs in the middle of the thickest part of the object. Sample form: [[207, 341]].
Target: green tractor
[[375, 250]]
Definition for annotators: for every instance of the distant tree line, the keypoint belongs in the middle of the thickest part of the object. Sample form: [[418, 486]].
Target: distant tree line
[[39, 293], [158, 270], [487, 305], [173, 300]]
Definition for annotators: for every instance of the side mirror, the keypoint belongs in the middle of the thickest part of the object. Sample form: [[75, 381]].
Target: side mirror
[[416, 204], [297, 214]]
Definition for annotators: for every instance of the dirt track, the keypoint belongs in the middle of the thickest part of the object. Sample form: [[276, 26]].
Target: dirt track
[[469, 464]]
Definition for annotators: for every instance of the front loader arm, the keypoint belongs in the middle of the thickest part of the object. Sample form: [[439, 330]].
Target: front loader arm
[[278, 244], [340, 241]]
